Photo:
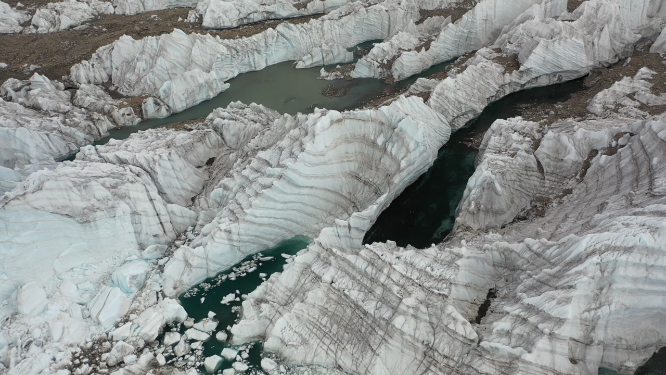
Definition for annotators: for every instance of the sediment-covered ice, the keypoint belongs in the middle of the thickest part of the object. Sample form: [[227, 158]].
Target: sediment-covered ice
[[407, 54], [131, 7], [220, 14]]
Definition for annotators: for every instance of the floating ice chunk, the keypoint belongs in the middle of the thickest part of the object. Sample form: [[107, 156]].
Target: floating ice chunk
[[268, 364], [221, 336], [240, 366], [195, 334], [206, 325], [119, 352], [229, 353], [171, 338], [154, 318], [122, 333], [228, 298], [182, 348], [212, 363]]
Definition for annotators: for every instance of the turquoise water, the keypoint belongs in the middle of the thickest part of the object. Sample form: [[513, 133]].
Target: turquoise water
[[214, 289], [656, 365]]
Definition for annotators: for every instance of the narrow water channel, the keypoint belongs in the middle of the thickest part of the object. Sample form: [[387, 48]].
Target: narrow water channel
[[425, 212]]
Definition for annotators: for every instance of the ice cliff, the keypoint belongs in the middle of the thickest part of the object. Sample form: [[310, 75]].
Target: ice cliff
[[561, 222], [180, 70]]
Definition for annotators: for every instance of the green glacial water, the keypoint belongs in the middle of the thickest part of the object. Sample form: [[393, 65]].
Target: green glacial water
[[425, 212], [214, 289], [280, 87]]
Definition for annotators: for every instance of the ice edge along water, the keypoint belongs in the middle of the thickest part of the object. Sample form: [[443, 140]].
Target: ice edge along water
[[127, 199]]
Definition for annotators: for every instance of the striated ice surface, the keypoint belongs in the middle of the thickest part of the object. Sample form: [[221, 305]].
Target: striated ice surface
[[562, 220], [568, 295], [171, 159], [322, 160]]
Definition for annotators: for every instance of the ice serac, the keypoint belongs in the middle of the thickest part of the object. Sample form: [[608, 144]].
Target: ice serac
[[406, 55], [570, 293], [11, 19], [328, 166], [172, 159], [40, 124], [80, 215], [180, 70], [66, 14], [220, 14]]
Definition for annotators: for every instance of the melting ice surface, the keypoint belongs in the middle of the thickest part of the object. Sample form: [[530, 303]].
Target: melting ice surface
[[205, 297], [425, 212]]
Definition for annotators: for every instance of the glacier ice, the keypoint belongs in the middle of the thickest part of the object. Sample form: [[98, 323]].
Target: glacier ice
[[572, 285]]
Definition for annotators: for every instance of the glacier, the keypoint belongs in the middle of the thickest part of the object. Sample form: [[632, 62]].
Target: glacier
[[561, 221]]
